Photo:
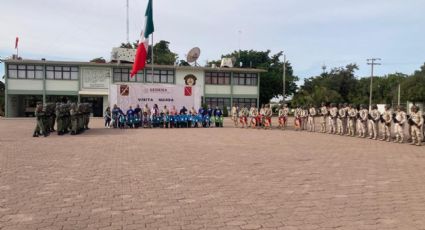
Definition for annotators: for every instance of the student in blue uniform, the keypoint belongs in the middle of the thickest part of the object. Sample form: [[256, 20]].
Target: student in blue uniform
[[130, 117], [218, 114], [210, 113]]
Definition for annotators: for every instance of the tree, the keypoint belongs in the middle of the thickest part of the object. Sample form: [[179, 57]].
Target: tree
[[271, 82], [162, 52], [98, 60], [413, 87], [183, 63]]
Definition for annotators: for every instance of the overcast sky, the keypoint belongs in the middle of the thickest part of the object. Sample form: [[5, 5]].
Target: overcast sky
[[312, 33]]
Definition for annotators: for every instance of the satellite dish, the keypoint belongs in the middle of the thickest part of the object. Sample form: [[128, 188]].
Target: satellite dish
[[193, 55]]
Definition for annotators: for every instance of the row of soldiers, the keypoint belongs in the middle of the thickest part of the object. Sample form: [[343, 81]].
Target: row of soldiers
[[69, 118], [346, 119]]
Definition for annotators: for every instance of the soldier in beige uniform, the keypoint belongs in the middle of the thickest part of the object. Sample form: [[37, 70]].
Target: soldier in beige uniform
[[374, 117], [351, 114], [399, 119], [253, 114], [363, 121], [311, 114], [323, 117], [281, 118], [268, 117], [386, 124], [340, 120], [304, 118], [285, 115], [333, 114], [416, 122], [234, 113]]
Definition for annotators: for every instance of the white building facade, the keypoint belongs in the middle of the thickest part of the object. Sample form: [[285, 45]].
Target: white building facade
[[31, 81]]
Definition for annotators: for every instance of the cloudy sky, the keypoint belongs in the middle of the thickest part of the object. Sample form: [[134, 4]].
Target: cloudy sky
[[312, 33]]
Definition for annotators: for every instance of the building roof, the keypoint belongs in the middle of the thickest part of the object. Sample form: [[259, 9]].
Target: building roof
[[111, 64]]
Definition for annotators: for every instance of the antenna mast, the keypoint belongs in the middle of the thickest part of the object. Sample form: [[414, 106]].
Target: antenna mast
[[128, 27]]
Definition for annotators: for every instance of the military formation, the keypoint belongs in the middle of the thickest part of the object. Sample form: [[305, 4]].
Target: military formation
[[340, 119], [69, 118]]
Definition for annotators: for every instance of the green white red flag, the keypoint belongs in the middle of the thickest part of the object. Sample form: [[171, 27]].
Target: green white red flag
[[142, 49]]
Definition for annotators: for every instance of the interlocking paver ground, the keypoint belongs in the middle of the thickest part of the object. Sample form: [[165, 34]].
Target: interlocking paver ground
[[226, 178]]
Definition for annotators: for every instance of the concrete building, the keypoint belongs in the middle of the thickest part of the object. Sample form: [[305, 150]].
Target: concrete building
[[29, 81]]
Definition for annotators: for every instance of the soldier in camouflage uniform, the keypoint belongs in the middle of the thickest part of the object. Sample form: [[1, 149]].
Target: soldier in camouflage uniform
[[399, 119], [373, 122], [333, 114], [352, 115], [386, 124], [340, 120], [59, 119], [311, 114], [416, 122], [363, 121], [74, 118], [323, 117], [40, 126]]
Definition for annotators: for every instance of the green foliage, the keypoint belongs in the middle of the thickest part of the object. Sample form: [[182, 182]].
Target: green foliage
[[183, 63], [413, 88], [271, 82], [98, 60], [162, 52]]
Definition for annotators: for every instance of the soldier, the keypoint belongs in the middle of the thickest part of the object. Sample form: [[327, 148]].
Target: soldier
[[59, 119], [351, 114], [340, 120], [74, 118], [87, 108], [399, 119], [333, 116], [285, 115], [311, 113], [323, 117], [373, 119], [386, 124], [304, 117], [234, 113], [39, 127], [363, 114], [416, 122]]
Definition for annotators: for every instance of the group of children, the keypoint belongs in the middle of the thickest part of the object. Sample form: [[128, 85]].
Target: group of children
[[154, 117], [253, 117]]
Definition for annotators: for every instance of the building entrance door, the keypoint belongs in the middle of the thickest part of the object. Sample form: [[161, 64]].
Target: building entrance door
[[97, 105]]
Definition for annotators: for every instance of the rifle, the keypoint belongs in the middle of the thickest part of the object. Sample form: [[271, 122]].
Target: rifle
[[395, 119]]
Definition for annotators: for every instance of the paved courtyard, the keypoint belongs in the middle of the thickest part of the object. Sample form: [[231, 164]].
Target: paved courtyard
[[206, 179]]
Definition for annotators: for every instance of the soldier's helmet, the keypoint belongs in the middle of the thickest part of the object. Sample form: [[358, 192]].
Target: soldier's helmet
[[361, 106], [387, 106], [345, 104], [350, 105], [323, 103]]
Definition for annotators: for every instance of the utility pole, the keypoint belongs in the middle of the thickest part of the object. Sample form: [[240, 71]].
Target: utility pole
[[284, 77], [372, 62], [239, 47]]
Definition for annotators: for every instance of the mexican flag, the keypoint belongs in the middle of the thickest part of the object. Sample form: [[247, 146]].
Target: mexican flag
[[142, 49]]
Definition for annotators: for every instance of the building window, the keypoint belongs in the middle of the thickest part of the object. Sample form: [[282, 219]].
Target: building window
[[61, 72], [160, 76], [217, 78], [245, 102], [123, 75], [221, 102], [25, 71], [245, 79]]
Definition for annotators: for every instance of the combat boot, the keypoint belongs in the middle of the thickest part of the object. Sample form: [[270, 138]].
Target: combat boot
[[388, 139], [35, 134], [419, 143], [396, 139], [401, 140]]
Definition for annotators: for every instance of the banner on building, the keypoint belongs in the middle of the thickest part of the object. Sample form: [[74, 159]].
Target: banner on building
[[126, 95]]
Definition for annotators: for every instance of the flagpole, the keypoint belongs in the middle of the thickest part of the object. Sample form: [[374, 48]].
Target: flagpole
[[152, 57]]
